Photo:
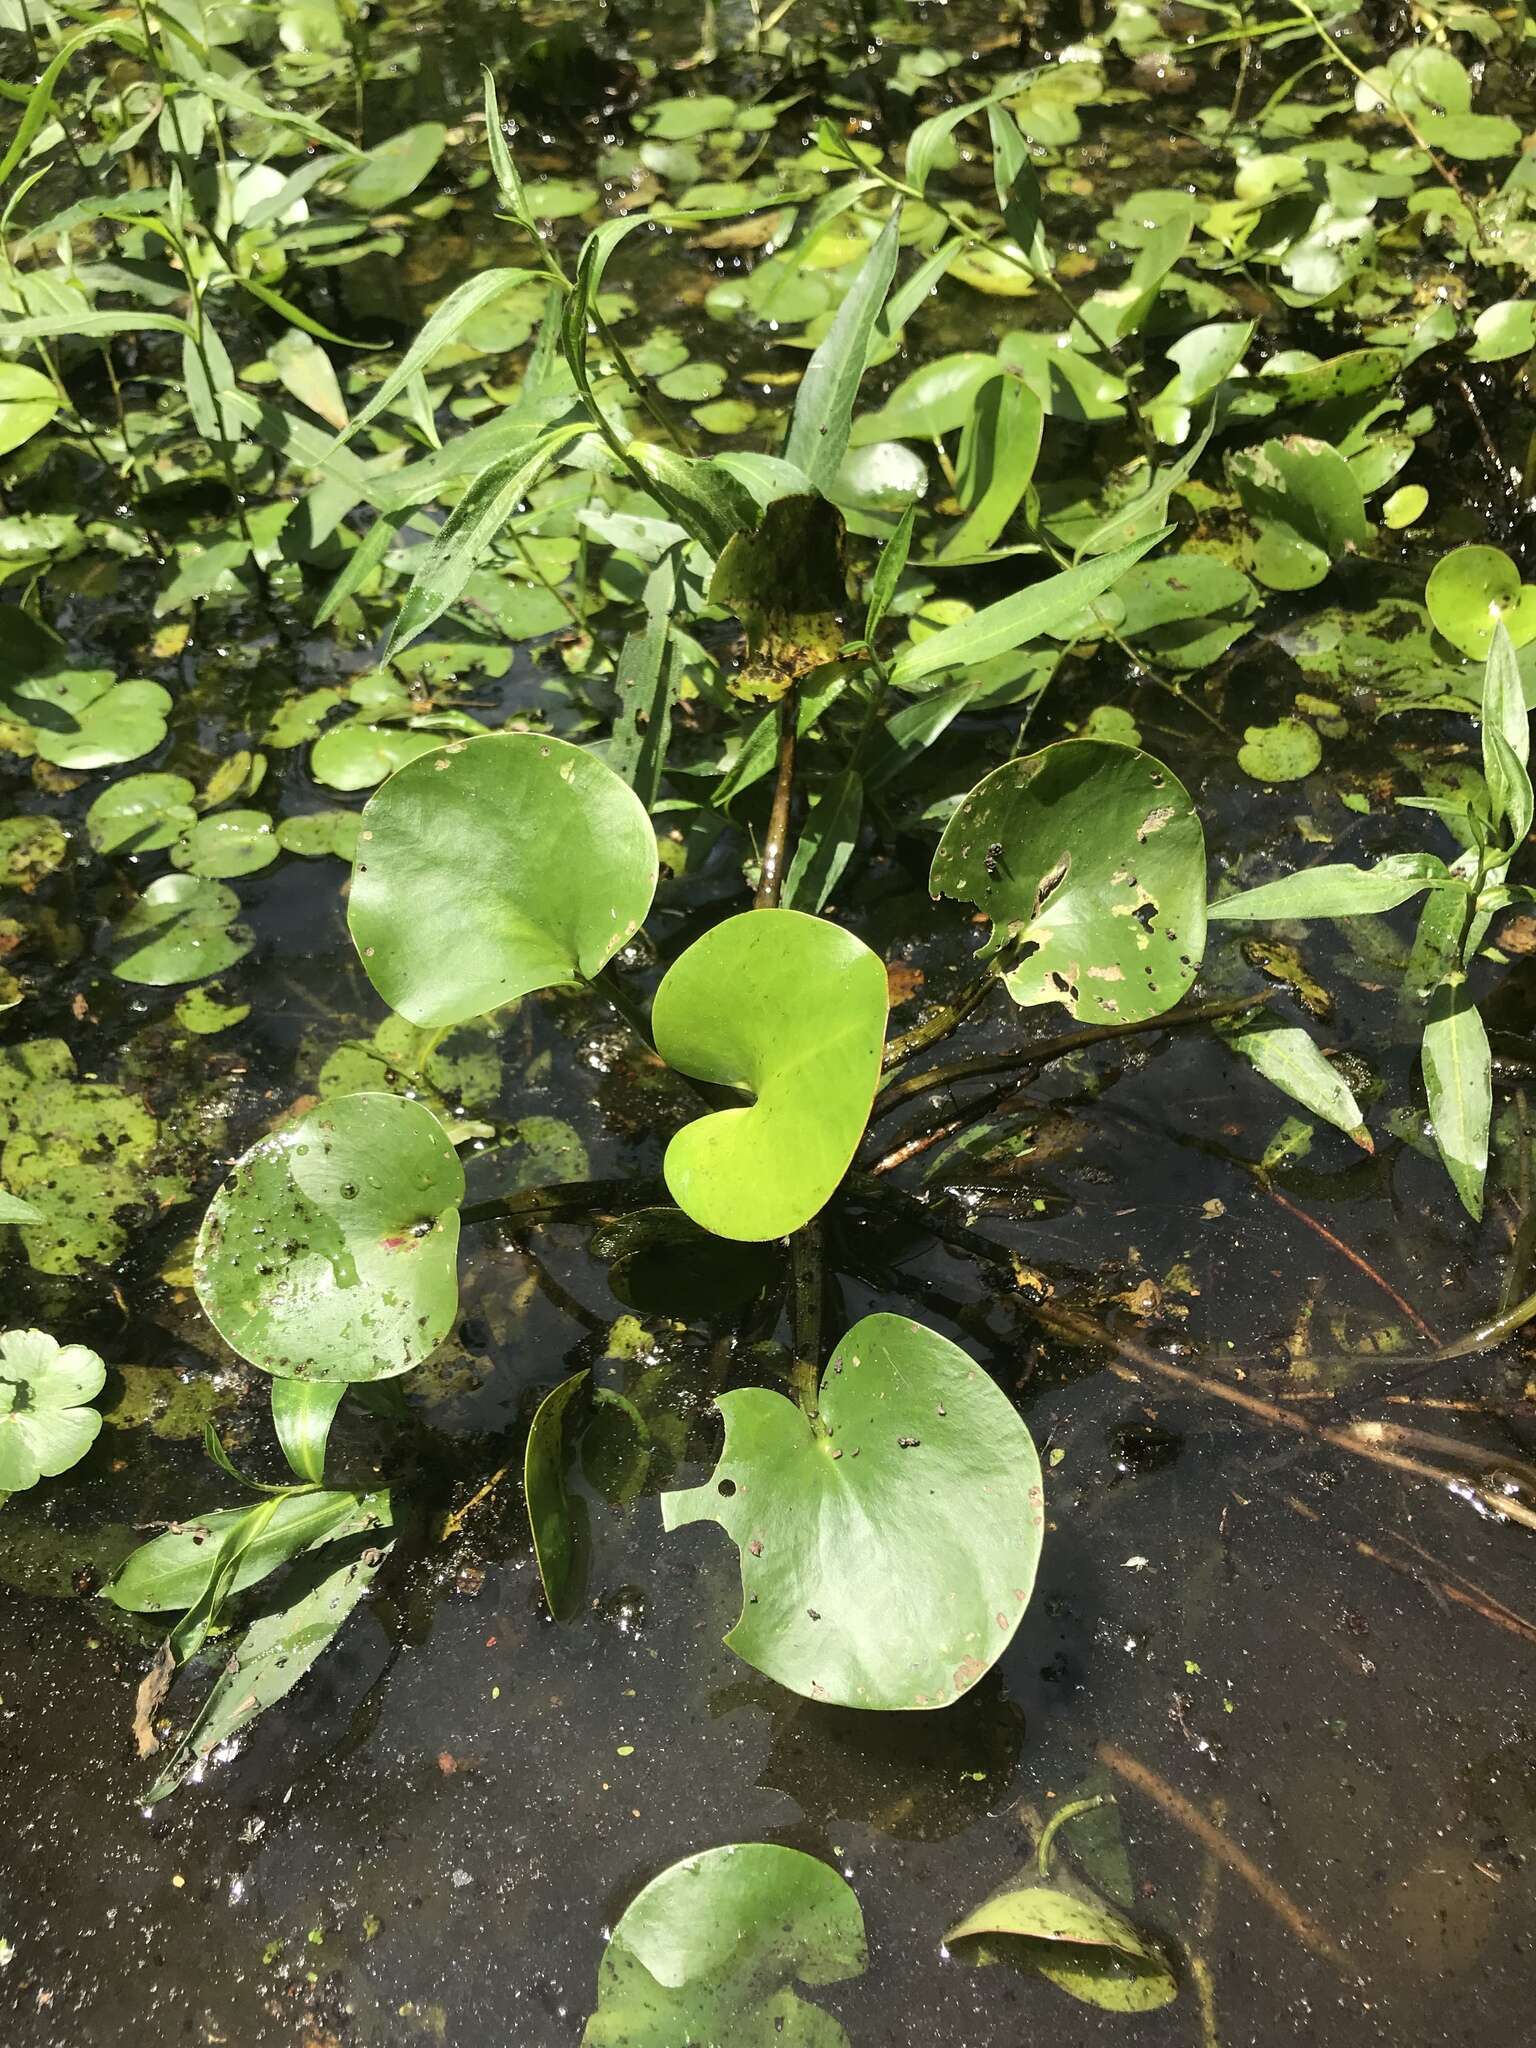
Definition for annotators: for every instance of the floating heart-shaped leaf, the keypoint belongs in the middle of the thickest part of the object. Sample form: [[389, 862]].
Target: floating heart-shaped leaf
[[181, 929], [712, 1949], [329, 1252], [45, 1426], [792, 1010], [1471, 590], [1090, 858], [495, 866], [85, 718], [889, 1549]]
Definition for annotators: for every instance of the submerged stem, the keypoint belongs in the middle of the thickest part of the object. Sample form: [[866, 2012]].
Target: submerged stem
[[1059, 1820], [805, 1304]]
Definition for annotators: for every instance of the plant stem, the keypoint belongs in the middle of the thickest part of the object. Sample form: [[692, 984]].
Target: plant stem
[[775, 847], [608, 984], [1059, 1820], [805, 1304], [905, 1086], [946, 1018], [565, 1198]]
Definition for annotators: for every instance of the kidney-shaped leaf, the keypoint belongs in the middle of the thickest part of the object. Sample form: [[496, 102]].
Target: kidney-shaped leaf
[[495, 866], [1090, 856], [711, 1950], [889, 1549], [329, 1252], [45, 1426], [792, 1010]]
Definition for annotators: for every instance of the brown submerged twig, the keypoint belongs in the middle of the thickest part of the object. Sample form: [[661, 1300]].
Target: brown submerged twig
[[1189, 1817]]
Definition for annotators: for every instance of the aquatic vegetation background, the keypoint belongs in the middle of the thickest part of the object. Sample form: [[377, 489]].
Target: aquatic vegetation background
[[907, 471]]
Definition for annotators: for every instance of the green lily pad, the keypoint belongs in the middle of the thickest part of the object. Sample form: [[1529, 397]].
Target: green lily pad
[[359, 754], [1057, 1926], [202, 1012], [791, 1010], [228, 843], [45, 1426], [329, 1252], [494, 867], [30, 849], [1090, 858], [318, 833], [181, 929], [712, 1949], [1284, 752], [85, 718], [917, 1477], [141, 814], [1473, 589]]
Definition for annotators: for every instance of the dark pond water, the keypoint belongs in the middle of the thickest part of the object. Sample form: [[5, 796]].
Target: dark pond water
[[430, 1839]]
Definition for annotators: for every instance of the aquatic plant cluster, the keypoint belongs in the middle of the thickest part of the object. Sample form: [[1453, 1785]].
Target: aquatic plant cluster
[[757, 611]]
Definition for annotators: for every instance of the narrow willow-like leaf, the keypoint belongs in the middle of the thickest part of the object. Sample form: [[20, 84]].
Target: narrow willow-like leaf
[[89, 326], [825, 845], [274, 301], [823, 414], [582, 297], [1336, 889], [893, 559], [40, 99], [998, 452], [646, 680], [509, 181], [1506, 737], [1289, 1057], [460, 544], [360, 564], [1016, 183], [1458, 1083], [302, 1413], [456, 311], [1015, 621]]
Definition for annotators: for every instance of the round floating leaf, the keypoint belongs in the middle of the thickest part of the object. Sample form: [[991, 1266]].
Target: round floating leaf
[[181, 929], [1090, 859], [791, 1010], [1471, 590], [84, 718], [329, 1252], [141, 814], [44, 1426], [228, 843], [30, 848], [359, 754], [712, 1949], [889, 1549], [494, 867], [1280, 753], [317, 833]]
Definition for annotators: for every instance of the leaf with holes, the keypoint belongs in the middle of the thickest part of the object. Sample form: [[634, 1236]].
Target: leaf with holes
[[495, 866], [790, 1010], [888, 1549], [1089, 859], [329, 1252]]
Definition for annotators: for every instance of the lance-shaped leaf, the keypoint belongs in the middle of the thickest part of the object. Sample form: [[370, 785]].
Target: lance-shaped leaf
[[791, 1010], [45, 1425], [169, 1572], [275, 1653], [712, 1949], [329, 1252], [1089, 859], [823, 414], [558, 1525], [495, 866], [1051, 1922], [888, 1550], [1339, 889], [1458, 1082]]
